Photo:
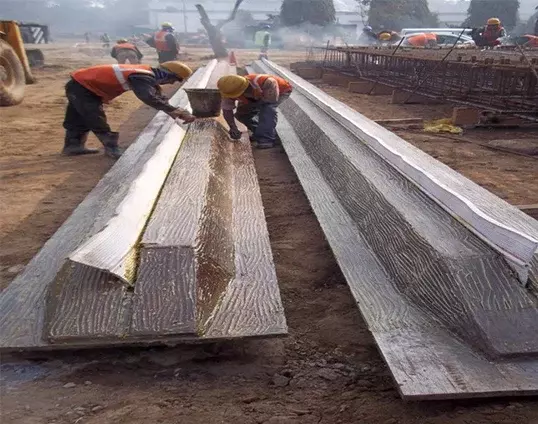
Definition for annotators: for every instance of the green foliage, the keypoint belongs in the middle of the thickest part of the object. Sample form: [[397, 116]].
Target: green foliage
[[316, 12], [398, 14], [481, 10]]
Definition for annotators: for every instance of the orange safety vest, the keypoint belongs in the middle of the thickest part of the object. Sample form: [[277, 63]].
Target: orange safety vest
[[127, 46], [161, 44], [257, 81], [109, 81], [421, 40], [492, 32]]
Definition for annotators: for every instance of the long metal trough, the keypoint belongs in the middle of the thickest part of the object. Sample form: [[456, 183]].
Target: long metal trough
[[435, 262]]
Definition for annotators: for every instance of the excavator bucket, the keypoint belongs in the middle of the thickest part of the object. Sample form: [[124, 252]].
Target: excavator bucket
[[14, 39]]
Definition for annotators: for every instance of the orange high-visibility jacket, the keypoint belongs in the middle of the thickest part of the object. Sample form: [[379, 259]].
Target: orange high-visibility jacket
[[257, 81], [127, 46], [421, 40], [161, 44], [109, 81]]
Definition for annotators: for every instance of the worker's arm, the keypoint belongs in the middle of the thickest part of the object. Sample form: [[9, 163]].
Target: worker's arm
[[228, 106], [146, 89], [172, 42], [114, 52]]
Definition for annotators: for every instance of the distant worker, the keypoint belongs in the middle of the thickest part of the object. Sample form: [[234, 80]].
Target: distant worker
[[87, 37], [262, 39], [389, 36], [258, 97], [368, 36], [384, 37], [125, 52], [491, 33], [105, 39], [421, 40], [89, 88], [165, 42]]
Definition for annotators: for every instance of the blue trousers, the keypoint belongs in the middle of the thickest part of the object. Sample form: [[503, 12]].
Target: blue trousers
[[261, 118]]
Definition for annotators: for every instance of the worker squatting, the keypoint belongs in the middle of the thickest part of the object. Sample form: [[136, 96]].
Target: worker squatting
[[254, 98]]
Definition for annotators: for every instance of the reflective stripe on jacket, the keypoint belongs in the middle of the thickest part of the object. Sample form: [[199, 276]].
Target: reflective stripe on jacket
[[161, 43], [109, 81], [257, 81]]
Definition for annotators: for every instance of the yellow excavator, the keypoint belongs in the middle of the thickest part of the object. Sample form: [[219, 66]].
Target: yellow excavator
[[15, 70]]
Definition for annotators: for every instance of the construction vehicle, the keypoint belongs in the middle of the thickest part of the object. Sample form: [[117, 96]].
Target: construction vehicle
[[15, 70]]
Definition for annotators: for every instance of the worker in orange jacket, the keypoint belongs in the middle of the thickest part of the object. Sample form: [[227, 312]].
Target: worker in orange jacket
[[491, 33], [257, 97], [125, 52], [422, 40], [165, 42], [89, 88]]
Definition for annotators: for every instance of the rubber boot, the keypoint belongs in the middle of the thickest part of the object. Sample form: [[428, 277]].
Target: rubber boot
[[74, 144], [110, 141]]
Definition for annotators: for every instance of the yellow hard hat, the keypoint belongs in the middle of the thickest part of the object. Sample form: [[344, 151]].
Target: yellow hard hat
[[167, 25], [494, 21], [122, 40], [178, 68], [385, 36], [232, 86]]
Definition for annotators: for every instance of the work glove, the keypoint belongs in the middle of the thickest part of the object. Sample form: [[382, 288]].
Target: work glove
[[235, 134]]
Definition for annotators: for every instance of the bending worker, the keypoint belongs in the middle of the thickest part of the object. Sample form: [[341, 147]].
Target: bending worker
[[258, 97], [89, 88], [125, 52], [421, 40], [165, 42]]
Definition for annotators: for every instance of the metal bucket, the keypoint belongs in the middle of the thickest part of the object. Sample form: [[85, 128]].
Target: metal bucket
[[205, 102]]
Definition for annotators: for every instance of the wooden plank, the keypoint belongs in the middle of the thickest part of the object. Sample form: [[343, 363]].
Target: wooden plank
[[22, 304], [502, 226]]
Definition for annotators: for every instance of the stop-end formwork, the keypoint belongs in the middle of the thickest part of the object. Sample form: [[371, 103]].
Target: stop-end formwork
[[438, 266], [171, 246]]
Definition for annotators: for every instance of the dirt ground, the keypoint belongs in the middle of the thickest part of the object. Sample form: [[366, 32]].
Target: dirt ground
[[327, 371]]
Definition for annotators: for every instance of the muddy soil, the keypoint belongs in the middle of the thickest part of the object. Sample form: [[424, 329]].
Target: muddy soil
[[327, 371]]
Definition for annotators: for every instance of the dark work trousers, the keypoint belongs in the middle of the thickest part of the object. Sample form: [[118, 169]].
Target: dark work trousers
[[167, 56], [261, 119], [84, 111]]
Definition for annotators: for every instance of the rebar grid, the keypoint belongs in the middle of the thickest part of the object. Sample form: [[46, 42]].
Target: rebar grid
[[501, 87]]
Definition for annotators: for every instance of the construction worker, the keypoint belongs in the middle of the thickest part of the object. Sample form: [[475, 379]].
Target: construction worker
[[89, 88], [389, 36], [105, 39], [262, 39], [165, 42], [368, 36], [257, 97], [491, 33], [125, 52], [384, 37], [422, 40]]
